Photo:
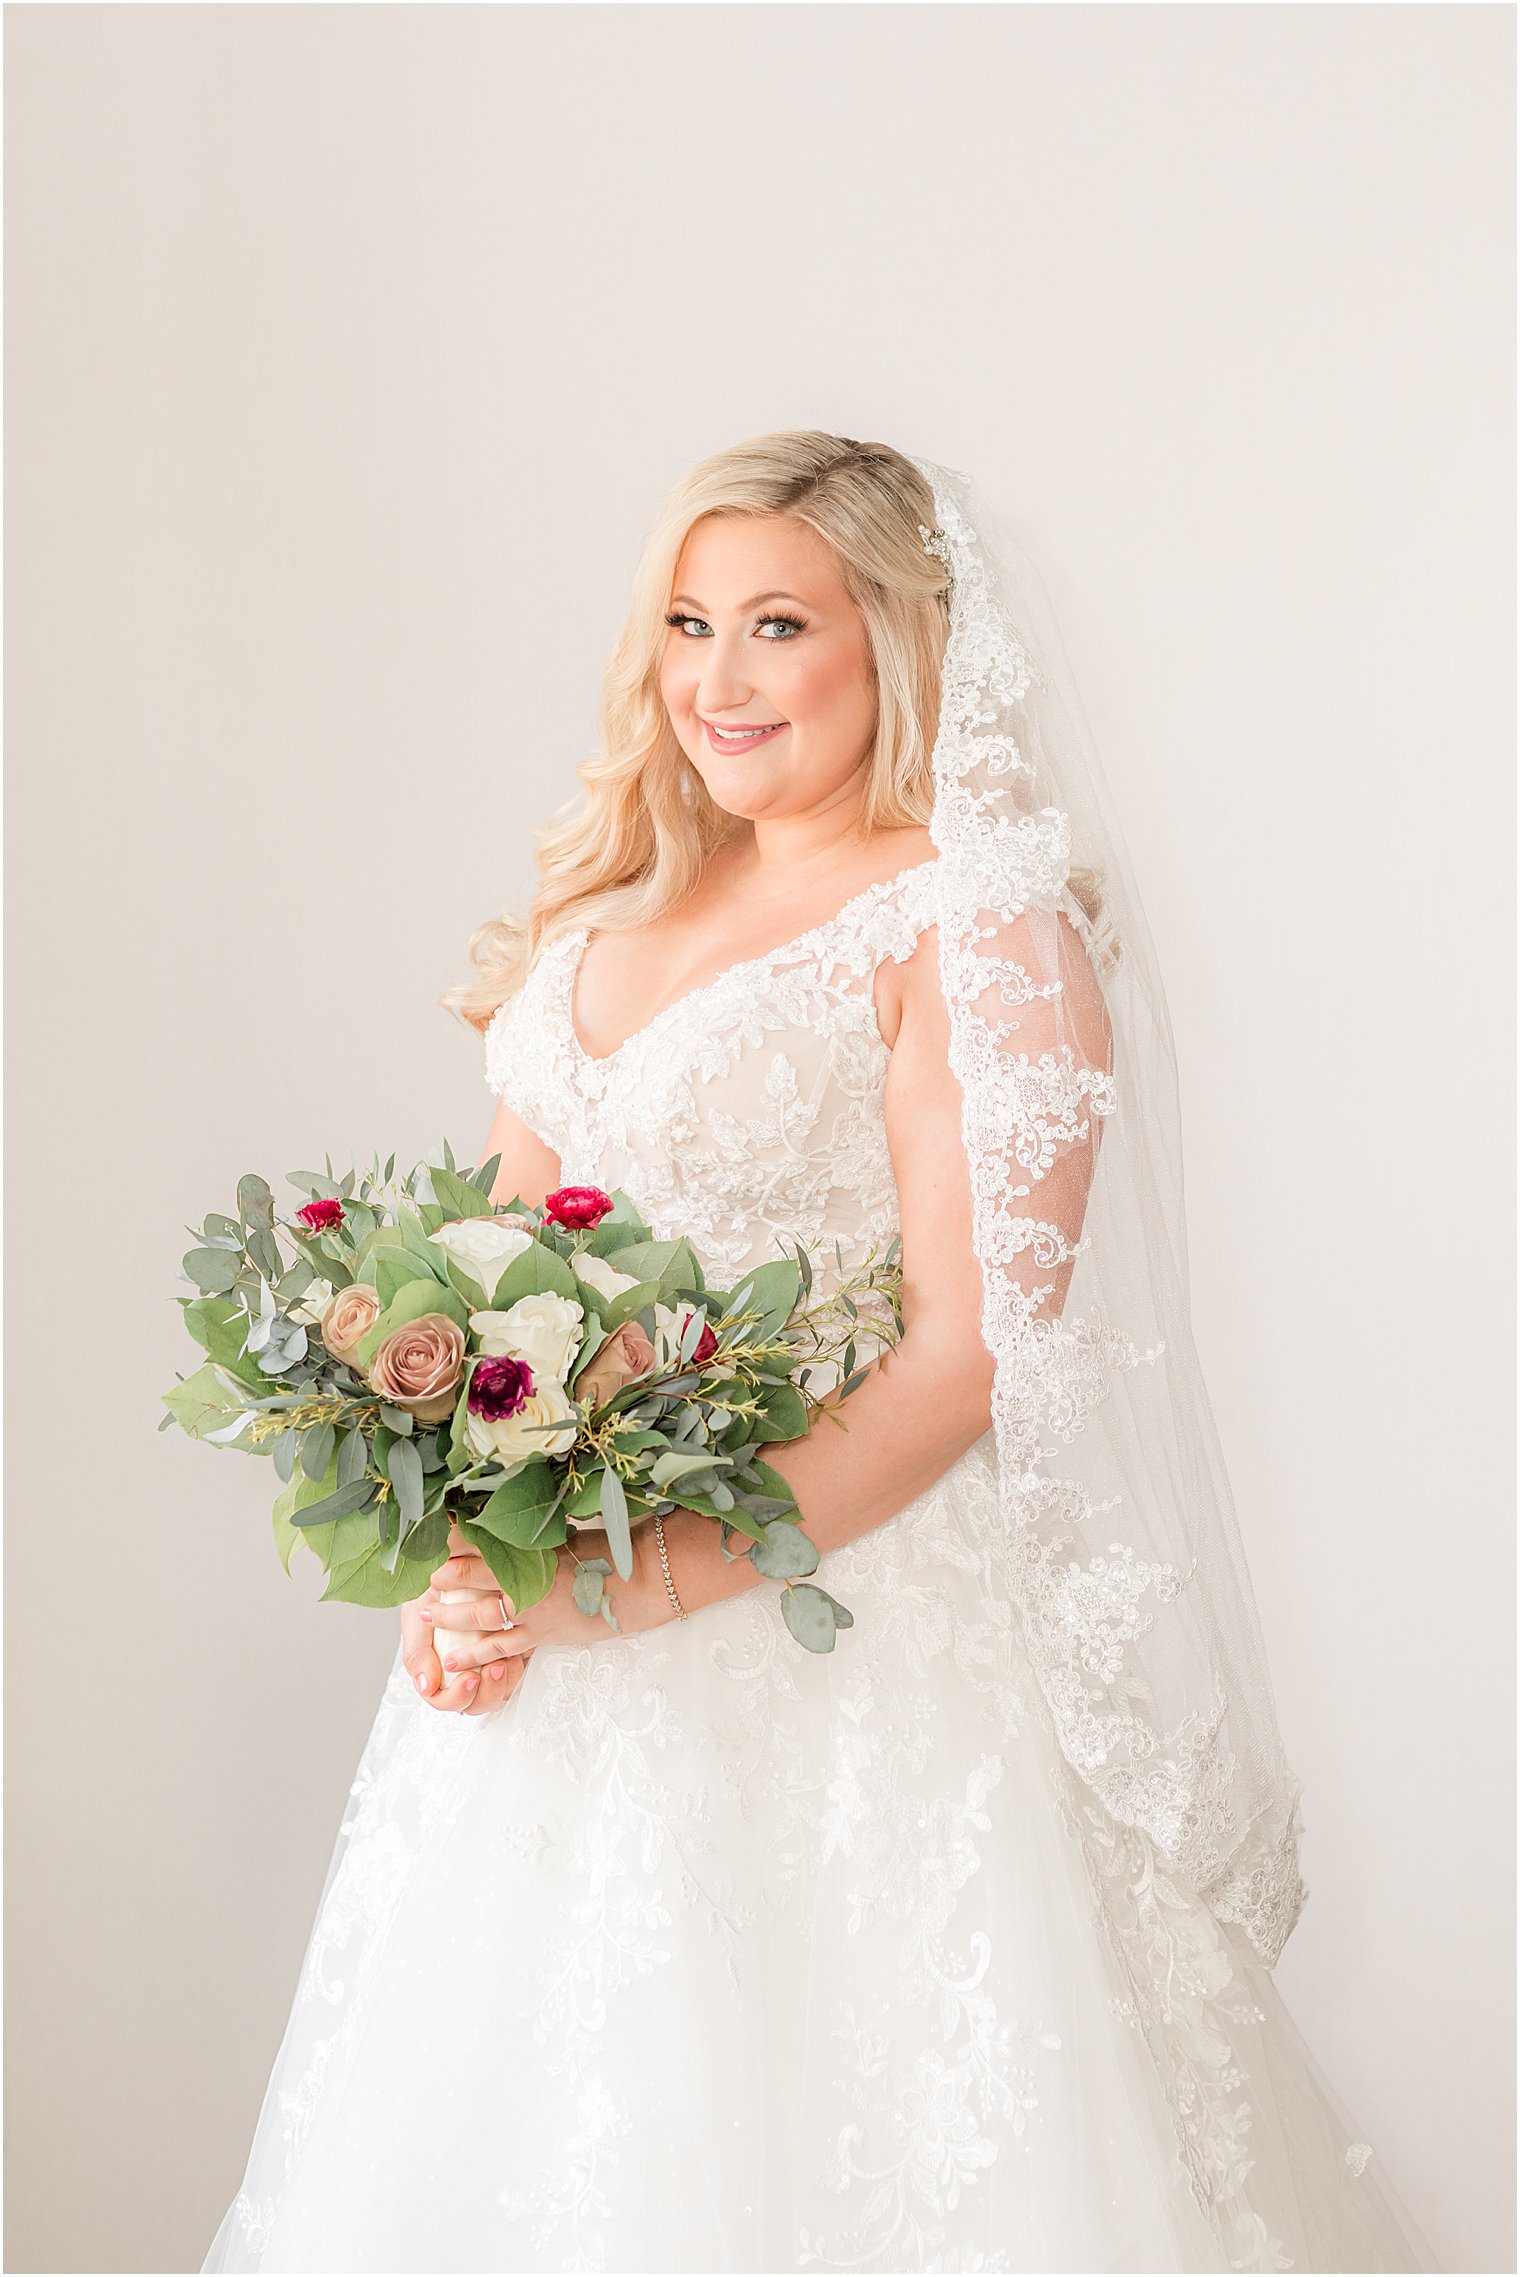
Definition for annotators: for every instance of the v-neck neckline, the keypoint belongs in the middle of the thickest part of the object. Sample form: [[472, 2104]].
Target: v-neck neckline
[[579, 939]]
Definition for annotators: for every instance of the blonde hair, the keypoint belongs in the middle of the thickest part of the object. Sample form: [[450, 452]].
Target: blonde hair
[[640, 839]]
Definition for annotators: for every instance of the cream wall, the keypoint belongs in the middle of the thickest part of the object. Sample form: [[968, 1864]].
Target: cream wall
[[349, 350]]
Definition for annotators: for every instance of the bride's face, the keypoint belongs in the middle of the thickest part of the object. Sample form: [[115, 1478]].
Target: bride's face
[[764, 640]]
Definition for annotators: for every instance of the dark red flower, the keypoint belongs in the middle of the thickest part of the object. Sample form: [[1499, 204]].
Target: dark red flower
[[499, 1387], [318, 1216], [707, 1345], [577, 1206]]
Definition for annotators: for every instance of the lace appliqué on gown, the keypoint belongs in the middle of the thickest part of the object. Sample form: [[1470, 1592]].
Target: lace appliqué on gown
[[779, 1961]]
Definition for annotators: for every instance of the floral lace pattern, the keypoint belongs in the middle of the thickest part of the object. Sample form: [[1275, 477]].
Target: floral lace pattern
[[764, 1085], [878, 1866], [1151, 1665]]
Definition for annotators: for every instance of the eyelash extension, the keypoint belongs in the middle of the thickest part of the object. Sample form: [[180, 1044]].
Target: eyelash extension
[[679, 617]]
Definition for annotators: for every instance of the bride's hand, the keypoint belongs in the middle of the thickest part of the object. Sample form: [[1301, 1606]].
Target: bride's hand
[[464, 1692], [556, 1619]]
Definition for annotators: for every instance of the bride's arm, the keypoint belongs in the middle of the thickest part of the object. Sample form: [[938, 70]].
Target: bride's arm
[[529, 1169], [930, 1398]]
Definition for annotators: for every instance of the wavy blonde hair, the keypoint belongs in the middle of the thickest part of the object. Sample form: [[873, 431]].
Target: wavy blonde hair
[[640, 839]]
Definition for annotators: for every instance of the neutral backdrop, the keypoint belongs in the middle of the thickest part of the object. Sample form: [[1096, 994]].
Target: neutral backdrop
[[349, 352]]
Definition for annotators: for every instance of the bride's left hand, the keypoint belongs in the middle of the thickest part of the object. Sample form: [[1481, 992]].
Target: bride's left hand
[[555, 1619]]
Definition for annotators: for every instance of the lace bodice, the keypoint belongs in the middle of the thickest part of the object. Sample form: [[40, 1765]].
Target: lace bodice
[[750, 1108]]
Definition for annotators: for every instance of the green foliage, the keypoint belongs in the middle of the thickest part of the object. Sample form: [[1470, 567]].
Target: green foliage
[[614, 1507], [534, 1272], [784, 1552], [202, 1403], [365, 1580], [785, 1415], [460, 1198], [813, 1616], [220, 1327], [518, 1513], [589, 1586], [771, 1291], [372, 1491], [527, 1575], [412, 1300]]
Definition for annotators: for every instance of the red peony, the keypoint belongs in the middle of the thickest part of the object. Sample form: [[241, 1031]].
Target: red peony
[[499, 1387], [317, 1217], [577, 1206], [707, 1345]]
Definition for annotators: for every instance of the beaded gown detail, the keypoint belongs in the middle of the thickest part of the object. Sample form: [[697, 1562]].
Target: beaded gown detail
[[708, 1954]]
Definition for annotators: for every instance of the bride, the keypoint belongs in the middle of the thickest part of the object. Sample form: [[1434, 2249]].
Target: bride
[[670, 1946]]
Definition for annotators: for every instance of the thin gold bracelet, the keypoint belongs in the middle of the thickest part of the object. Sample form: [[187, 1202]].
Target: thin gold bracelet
[[670, 1587]]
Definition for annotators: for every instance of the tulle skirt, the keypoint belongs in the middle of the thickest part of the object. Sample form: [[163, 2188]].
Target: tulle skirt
[[708, 1954]]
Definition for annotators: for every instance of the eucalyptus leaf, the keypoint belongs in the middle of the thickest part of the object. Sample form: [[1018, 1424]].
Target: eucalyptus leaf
[[534, 1271], [785, 1415], [665, 1470], [339, 1505], [405, 1467], [518, 1510], [809, 1614], [227, 1432], [353, 1456], [614, 1507], [255, 1199], [265, 1252], [413, 1299], [459, 1197], [526, 1576], [220, 1326], [589, 1585], [316, 1449], [378, 1577], [312, 1182], [201, 1403], [212, 1270], [767, 1506], [786, 1553]]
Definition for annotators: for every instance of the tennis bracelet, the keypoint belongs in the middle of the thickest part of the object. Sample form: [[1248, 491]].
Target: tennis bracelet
[[670, 1587]]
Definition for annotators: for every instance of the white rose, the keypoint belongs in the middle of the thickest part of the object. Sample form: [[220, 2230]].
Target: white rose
[[484, 1247], [312, 1303], [599, 1275], [509, 1436], [545, 1331]]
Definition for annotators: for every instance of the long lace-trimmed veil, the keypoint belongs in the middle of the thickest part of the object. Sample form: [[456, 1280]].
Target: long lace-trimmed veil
[[1130, 1577]]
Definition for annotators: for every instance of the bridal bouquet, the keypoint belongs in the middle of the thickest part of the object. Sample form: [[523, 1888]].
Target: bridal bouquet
[[415, 1355]]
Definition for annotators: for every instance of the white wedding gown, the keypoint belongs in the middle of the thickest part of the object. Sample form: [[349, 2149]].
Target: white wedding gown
[[709, 1954]]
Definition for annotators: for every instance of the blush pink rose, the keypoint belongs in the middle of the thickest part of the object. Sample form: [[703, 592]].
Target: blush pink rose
[[419, 1366], [627, 1353], [350, 1316]]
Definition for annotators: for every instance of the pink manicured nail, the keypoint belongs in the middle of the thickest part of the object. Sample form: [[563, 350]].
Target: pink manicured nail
[[471, 1682], [424, 1682], [498, 1670], [451, 1664], [425, 1616]]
